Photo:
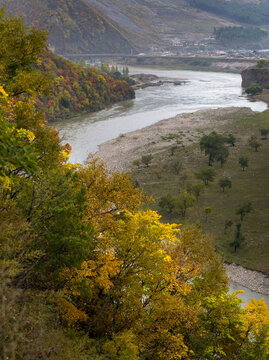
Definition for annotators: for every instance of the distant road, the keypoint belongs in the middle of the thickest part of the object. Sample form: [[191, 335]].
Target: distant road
[[214, 63]]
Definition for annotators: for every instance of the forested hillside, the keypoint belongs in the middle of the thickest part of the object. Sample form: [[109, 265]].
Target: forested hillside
[[76, 89], [87, 271]]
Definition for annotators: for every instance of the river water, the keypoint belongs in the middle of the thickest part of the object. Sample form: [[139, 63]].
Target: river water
[[248, 294], [202, 90]]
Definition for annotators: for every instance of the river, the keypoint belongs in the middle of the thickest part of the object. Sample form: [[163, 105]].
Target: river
[[202, 90]]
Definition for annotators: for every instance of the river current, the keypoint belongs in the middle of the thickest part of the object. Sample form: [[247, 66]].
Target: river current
[[202, 90]]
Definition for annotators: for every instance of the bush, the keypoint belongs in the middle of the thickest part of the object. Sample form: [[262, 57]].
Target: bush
[[254, 89]]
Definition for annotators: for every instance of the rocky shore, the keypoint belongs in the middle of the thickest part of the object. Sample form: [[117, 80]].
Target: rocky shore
[[145, 80], [253, 280]]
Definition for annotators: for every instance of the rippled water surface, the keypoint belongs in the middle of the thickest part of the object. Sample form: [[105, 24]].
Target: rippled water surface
[[203, 90]]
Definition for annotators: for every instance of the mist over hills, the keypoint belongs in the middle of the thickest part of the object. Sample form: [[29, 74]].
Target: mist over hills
[[121, 26]]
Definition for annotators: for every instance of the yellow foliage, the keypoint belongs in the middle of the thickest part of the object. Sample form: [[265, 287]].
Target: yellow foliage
[[70, 313], [256, 318], [107, 194]]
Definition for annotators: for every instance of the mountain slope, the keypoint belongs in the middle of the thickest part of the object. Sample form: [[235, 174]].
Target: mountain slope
[[161, 20], [74, 26], [126, 26]]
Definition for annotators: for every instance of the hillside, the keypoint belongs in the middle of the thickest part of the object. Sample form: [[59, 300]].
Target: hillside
[[188, 20], [118, 26], [78, 90], [73, 26]]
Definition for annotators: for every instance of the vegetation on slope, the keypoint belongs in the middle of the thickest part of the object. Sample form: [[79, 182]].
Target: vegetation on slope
[[177, 169], [249, 13], [85, 271], [238, 36], [74, 26], [77, 89]]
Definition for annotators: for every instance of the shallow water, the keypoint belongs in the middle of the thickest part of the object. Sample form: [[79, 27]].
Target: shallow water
[[248, 294], [203, 90]]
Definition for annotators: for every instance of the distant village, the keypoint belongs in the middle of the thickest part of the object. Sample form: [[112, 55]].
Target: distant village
[[204, 47]]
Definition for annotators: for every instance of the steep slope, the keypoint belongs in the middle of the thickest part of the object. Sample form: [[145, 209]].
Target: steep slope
[[163, 20], [74, 26], [78, 90]]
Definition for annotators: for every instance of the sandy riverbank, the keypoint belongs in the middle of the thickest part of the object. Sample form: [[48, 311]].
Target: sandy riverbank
[[120, 153]]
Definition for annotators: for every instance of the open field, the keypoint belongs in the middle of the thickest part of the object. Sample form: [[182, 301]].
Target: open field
[[251, 185]]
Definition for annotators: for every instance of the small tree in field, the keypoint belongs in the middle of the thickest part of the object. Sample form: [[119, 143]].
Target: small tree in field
[[238, 238], [243, 162], [228, 224], [185, 201], [137, 162], [214, 146], [207, 211], [264, 133], [222, 156], [167, 204], [225, 183], [244, 210], [195, 189], [146, 159], [172, 150], [206, 175], [231, 140], [176, 166], [254, 144]]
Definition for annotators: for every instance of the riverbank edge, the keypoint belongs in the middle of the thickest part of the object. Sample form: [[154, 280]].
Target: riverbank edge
[[251, 279]]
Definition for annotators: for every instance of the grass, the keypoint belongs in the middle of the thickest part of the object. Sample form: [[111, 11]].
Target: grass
[[251, 185]]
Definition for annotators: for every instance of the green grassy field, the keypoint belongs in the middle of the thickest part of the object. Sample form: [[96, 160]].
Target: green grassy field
[[251, 185]]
